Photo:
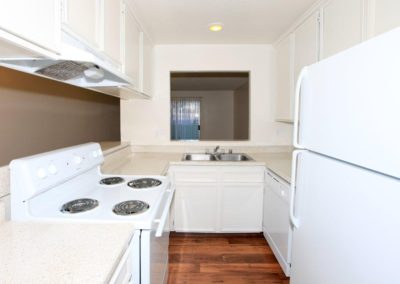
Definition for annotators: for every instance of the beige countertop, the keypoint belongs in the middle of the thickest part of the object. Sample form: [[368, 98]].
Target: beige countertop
[[279, 163], [61, 253], [157, 163], [143, 164], [109, 147]]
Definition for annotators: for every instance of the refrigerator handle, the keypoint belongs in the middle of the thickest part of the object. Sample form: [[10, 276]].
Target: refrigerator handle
[[296, 121], [293, 219]]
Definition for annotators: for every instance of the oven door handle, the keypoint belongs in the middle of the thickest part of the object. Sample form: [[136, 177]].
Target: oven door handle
[[161, 222]]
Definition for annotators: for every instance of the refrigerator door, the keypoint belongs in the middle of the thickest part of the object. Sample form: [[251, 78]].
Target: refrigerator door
[[349, 105], [348, 224]]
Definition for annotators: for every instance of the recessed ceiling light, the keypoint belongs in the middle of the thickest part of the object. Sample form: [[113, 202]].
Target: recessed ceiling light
[[215, 27]]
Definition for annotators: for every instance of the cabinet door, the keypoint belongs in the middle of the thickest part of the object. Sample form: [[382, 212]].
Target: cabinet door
[[241, 207], [386, 14], [196, 207], [113, 29], [284, 75], [147, 68], [305, 44], [82, 19], [37, 23], [342, 25], [132, 48]]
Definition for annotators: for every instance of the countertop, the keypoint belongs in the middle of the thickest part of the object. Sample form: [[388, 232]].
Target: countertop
[[157, 163], [61, 253], [279, 163]]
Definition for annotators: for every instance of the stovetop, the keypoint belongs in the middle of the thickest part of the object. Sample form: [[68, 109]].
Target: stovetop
[[49, 205], [67, 185]]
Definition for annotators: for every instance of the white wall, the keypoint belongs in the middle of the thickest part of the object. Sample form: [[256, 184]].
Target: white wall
[[147, 122]]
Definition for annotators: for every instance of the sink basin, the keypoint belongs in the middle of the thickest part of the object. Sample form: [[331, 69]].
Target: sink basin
[[233, 157], [199, 157]]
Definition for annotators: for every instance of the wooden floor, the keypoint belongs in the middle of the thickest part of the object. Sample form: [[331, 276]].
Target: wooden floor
[[222, 258]]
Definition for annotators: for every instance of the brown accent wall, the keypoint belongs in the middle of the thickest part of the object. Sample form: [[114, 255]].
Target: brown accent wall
[[38, 115]]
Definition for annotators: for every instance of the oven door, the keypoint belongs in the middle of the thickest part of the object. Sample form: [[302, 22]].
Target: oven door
[[154, 244]]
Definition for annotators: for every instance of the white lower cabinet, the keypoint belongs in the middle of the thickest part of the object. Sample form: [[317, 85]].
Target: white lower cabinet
[[196, 207], [241, 207], [123, 273], [218, 198]]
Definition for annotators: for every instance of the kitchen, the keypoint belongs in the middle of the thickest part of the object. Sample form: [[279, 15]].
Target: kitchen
[[128, 51]]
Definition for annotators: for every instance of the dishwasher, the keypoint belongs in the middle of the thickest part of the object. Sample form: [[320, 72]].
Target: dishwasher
[[277, 229]]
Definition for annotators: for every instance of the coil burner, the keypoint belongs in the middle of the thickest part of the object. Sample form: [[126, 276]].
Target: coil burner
[[144, 183], [112, 180], [130, 207], [79, 206]]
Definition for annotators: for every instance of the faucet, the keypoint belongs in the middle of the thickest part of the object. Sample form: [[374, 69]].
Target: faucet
[[216, 149]]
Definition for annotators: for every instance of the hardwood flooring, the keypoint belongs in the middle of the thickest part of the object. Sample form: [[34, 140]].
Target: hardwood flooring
[[222, 258]]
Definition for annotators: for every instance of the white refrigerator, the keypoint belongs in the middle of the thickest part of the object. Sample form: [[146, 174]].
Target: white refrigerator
[[345, 206]]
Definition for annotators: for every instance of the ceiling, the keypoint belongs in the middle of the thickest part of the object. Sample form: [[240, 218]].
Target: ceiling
[[245, 21], [208, 81]]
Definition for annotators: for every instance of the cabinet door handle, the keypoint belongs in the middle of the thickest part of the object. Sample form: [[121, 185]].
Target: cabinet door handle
[[296, 120]]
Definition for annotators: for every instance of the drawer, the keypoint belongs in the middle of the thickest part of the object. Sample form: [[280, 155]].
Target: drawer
[[243, 175], [195, 176]]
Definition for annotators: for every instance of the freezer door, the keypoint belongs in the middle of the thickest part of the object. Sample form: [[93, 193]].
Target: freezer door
[[350, 105], [349, 227]]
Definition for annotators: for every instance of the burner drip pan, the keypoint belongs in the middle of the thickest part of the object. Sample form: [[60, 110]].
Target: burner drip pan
[[79, 206], [144, 183], [112, 180], [130, 207]]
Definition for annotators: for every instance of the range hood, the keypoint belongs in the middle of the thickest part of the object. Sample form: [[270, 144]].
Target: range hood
[[78, 66]]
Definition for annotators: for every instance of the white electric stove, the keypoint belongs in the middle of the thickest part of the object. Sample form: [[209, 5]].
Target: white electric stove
[[66, 185]]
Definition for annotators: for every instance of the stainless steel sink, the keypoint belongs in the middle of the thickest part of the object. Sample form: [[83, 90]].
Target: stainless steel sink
[[199, 157], [228, 157], [233, 157]]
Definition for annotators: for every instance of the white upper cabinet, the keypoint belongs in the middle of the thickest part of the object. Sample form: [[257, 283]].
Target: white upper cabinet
[[297, 50], [82, 20], [386, 15], [342, 25], [284, 77], [112, 42], [33, 22], [306, 45], [147, 66], [132, 47]]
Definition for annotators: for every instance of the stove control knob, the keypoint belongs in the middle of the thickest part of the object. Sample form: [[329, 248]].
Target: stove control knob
[[77, 160], [95, 154], [41, 173], [52, 169]]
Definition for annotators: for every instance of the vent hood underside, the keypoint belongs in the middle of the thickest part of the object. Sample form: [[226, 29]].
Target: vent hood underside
[[78, 66]]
